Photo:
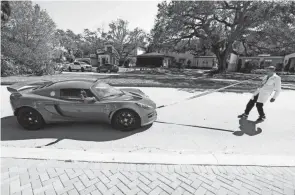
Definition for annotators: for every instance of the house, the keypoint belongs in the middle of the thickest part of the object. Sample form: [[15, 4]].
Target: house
[[262, 60], [94, 60], [289, 60], [130, 60], [183, 59], [108, 55], [153, 60], [205, 61]]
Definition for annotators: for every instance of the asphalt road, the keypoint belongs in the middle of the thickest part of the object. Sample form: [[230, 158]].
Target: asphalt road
[[206, 125]]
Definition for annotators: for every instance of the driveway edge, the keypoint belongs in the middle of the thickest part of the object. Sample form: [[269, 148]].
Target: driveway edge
[[147, 158]]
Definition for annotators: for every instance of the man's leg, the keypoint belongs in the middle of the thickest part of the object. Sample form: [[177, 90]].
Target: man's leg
[[260, 111], [249, 107]]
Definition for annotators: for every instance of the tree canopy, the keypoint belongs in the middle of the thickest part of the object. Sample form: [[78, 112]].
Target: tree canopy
[[219, 24], [28, 35], [123, 39]]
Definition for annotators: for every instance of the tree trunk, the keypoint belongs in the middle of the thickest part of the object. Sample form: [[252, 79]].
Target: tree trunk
[[221, 58]]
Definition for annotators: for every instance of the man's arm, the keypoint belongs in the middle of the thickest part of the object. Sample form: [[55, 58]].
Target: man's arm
[[278, 88], [89, 99]]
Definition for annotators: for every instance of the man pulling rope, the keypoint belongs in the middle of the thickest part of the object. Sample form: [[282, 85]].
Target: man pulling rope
[[270, 83]]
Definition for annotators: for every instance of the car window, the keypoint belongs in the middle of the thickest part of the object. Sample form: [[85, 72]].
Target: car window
[[103, 90], [74, 94], [76, 63]]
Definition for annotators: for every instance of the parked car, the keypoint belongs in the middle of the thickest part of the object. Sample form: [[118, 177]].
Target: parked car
[[79, 66], [108, 68], [37, 104]]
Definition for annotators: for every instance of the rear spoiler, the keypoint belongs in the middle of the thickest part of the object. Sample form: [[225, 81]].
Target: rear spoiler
[[11, 90], [21, 86]]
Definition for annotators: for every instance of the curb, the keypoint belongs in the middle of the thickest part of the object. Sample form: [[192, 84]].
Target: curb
[[144, 158]]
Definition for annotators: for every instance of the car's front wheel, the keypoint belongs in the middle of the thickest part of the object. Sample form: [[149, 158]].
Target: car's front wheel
[[30, 119], [126, 120]]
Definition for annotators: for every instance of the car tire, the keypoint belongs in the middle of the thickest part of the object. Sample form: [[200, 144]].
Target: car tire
[[70, 69], [82, 70], [97, 70], [131, 120], [30, 119]]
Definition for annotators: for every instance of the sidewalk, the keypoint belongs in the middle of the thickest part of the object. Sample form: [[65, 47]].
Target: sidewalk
[[48, 177]]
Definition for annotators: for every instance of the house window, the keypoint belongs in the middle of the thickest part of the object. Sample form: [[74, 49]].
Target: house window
[[181, 60], [109, 49]]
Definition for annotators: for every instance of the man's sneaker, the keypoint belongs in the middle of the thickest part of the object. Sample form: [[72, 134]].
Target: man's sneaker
[[260, 119], [243, 116]]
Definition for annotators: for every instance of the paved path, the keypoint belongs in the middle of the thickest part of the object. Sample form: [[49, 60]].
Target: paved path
[[50, 177]]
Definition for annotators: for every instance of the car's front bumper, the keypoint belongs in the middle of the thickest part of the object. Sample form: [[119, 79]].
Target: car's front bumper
[[149, 118]]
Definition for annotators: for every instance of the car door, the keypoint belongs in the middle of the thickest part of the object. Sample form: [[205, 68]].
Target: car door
[[76, 65], [72, 105]]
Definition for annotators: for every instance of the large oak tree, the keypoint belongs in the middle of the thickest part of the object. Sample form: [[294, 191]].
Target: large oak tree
[[217, 23]]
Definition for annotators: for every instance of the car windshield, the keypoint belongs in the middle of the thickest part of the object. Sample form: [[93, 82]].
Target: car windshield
[[104, 90]]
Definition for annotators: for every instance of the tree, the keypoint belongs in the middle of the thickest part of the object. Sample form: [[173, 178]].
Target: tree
[[124, 40], [275, 37], [218, 23], [28, 36], [93, 40], [5, 12]]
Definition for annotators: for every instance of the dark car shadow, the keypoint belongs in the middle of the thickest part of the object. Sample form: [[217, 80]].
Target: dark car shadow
[[248, 127], [11, 130]]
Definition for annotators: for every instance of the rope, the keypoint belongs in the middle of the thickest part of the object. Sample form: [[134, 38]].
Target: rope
[[206, 93]]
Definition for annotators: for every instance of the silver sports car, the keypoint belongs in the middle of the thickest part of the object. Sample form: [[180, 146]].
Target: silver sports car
[[81, 100]]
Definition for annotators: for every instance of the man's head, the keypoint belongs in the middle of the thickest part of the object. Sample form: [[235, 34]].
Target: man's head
[[270, 70], [83, 93]]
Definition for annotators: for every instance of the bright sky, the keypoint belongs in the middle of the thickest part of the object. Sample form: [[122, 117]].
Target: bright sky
[[78, 15]]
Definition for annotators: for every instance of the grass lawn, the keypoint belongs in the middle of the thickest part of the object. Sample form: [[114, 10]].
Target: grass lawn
[[172, 81]]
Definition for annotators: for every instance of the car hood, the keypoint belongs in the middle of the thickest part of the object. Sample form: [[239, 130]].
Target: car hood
[[131, 94]]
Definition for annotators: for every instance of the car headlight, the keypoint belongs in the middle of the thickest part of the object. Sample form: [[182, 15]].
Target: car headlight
[[144, 106]]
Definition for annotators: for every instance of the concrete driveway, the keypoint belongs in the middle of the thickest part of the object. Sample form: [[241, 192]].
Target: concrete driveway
[[205, 125]]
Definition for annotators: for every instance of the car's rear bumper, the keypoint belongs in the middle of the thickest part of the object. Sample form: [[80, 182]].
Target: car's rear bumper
[[88, 68], [149, 118]]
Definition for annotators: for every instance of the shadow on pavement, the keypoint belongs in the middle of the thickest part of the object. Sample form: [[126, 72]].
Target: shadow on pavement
[[211, 128], [248, 127], [11, 130]]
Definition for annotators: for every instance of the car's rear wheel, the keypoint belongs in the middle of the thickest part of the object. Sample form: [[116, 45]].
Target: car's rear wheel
[[30, 119], [70, 69], [82, 70], [126, 120]]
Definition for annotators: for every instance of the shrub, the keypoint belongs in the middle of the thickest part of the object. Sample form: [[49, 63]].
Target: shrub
[[287, 67], [7, 68], [259, 71], [279, 66], [249, 67]]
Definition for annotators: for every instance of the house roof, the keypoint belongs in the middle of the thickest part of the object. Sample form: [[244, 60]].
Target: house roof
[[153, 54]]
